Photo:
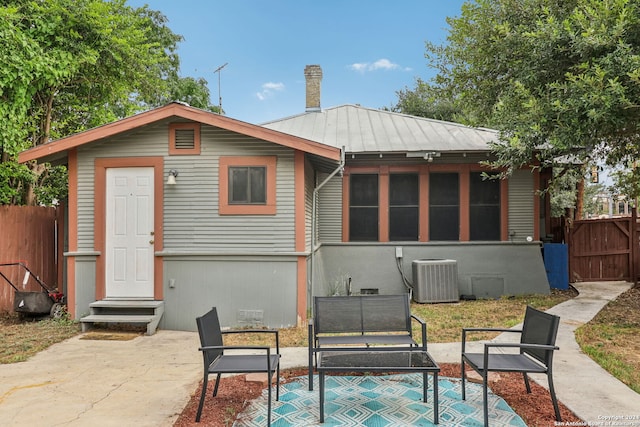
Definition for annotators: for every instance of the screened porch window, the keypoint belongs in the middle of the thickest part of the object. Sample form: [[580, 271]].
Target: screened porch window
[[484, 208], [444, 206], [404, 207], [363, 207], [423, 204]]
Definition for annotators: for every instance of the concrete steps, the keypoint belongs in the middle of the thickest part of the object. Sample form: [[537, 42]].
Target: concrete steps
[[126, 312]]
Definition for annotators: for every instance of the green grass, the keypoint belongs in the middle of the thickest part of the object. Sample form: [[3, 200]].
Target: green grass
[[22, 339], [611, 338], [606, 355], [444, 321]]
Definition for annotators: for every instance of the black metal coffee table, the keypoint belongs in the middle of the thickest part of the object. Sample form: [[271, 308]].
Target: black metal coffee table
[[380, 360]]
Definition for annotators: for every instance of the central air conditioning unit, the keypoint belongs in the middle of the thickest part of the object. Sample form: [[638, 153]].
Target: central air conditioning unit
[[435, 280]]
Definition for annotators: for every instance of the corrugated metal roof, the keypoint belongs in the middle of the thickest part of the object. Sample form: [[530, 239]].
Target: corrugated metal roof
[[366, 130]]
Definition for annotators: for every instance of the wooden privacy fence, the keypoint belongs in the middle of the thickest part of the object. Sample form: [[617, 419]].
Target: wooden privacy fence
[[28, 234], [604, 249]]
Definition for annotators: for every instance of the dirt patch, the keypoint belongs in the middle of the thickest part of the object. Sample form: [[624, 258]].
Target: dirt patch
[[22, 337], [623, 311], [110, 336], [234, 394]]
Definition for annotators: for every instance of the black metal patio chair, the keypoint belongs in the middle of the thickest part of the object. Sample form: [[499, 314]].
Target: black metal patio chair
[[216, 361], [536, 347]]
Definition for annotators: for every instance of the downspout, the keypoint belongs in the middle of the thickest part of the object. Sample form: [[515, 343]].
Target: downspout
[[314, 209]]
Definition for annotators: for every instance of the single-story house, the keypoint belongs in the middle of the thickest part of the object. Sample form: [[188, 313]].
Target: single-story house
[[193, 209]]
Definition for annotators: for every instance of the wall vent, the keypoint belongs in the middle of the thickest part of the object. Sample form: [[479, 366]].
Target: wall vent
[[488, 286], [250, 317], [185, 139], [435, 280]]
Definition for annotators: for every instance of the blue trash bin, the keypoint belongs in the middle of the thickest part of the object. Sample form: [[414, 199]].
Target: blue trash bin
[[556, 263]]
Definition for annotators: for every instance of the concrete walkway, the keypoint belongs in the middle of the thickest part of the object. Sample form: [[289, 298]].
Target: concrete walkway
[[581, 384], [148, 381], [143, 382]]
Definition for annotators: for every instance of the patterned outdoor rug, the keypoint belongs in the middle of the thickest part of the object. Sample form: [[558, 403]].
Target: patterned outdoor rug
[[372, 401]]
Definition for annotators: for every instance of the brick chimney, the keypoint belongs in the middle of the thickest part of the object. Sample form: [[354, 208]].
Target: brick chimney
[[313, 77]]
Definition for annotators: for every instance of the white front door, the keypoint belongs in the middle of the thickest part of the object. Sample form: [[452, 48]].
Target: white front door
[[129, 233]]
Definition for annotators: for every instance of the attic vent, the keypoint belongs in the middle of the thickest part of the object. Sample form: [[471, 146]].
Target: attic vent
[[184, 138]]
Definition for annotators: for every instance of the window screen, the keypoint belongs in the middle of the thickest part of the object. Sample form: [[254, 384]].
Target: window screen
[[363, 207], [247, 185], [484, 208], [404, 207], [444, 206]]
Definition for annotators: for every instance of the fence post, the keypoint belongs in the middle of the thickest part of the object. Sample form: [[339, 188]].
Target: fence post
[[635, 241], [567, 229]]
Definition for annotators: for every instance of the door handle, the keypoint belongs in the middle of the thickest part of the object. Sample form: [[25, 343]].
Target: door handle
[[151, 242]]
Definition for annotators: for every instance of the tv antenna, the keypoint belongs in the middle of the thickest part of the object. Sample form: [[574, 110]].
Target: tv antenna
[[218, 70]]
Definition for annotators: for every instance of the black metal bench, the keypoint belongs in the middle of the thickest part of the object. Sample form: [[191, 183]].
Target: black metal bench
[[360, 321]]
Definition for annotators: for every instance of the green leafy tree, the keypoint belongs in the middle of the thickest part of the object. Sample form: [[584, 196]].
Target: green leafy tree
[[71, 65], [594, 196], [425, 101], [14, 178], [562, 190], [627, 184], [559, 78], [193, 91]]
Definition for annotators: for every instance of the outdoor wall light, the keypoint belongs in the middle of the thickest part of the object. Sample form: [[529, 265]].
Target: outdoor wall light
[[171, 179]]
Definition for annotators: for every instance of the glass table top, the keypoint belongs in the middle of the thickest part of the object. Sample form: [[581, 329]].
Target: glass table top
[[376, 360]]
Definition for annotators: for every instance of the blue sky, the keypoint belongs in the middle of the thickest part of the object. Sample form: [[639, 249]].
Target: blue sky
[[368, 49]]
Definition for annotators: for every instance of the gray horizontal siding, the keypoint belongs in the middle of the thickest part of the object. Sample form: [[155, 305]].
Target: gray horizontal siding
[[309, 184], [521, 203], [191, 218], [330, 209], [85, 203]]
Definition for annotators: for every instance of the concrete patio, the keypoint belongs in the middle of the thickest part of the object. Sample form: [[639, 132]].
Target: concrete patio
[[148, 381]]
